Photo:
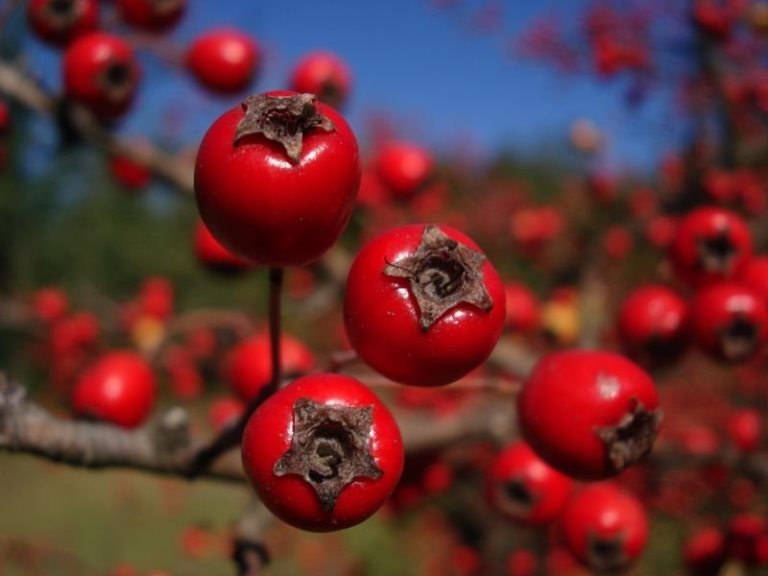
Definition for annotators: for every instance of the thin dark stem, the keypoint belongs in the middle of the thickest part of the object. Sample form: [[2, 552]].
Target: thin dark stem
[[275, 295], [230, 436]]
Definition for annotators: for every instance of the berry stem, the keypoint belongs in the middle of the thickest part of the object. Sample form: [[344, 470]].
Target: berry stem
[[275, 295]]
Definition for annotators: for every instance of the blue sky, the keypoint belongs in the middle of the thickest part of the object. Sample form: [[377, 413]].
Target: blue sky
[[441, 84]]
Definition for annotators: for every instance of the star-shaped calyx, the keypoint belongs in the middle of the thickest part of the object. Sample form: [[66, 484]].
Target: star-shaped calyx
[[282, 119], [442, 274], [632, 438], [329, 448], [716, 254]]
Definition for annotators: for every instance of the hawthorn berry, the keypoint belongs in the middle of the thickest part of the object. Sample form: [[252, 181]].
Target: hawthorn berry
[[276, 178], [323, 453], [710, 244], [744, 427], [325, 75], [49, 304], [224, 61], [589, 414], [653, 325], [151, 15], [129, 173], [729, 321], [523, 308], [404, 168], [423, 305], [119, 387], [524, 488], [704, 551], [102, 73], [604, 527], [58, 22], [248, 367]]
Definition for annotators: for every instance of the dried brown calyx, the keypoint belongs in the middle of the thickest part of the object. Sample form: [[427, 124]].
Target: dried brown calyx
[[632, 438], [163, 7], [61, 14], [118, 80], [606, 555], [442, 274], [739, 339], [329, 448], [716, 254], [282, 119], [515, 498]]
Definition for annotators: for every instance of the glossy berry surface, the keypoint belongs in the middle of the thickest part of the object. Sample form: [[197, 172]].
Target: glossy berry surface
[[605, 527], [248, 367], [102, 73], [58, 22], [277, 202], [119, 388], [710, 244], [151, 15], [323, 453], [653, 325], [589, 414], [224, 60], [522, 487], [325, 75], [423, 305], [729, 321]]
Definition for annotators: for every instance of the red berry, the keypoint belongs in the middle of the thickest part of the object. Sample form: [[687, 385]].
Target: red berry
[[423, 305], [102, 73], [224, 61], [523, 308], [755, 275], [653, 325], [151, 15], [58, 22], [404, 168], [589, 414], [278, 198], [745, 427], [524, 488], [710, 244], [323, 453], [325, 75], [729, 322], [223, 411], [49, 304], [249, 367], [604, 527], [118, 388], [704, 551], [129, 173]]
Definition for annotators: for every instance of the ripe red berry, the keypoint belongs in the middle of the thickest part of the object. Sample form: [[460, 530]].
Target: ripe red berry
[[58, 22], [404, 168], [211, 254], [423, 305], [589, 414], [653, 325], [325, 75], [523, 308], [151, 15], [704, 551], [248, 367], [605, 527], [729, 322], [118, 388], [323, 453], [755, 275], [102, 73], [49, 304], [223, 411], [524, 488], [224, 61], [744, 427], [129, 173], [710, 244], [276, 178]]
